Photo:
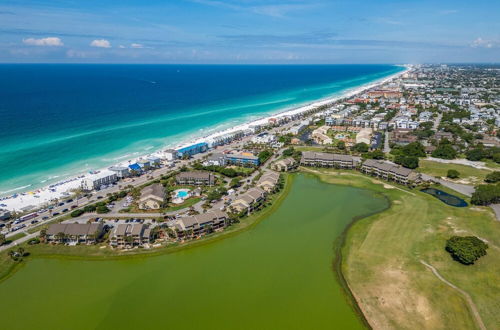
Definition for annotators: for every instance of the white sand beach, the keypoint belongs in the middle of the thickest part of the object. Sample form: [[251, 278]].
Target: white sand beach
[[25, 201]]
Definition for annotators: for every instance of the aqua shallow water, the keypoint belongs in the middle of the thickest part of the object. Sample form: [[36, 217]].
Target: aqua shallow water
[[57, 120]]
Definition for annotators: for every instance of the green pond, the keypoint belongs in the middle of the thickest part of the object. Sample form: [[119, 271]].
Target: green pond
[[277, 275]]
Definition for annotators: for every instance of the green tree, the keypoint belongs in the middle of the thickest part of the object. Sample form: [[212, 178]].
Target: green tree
[[341, 145], [360, 147], [453, 174], [415, 149], [486, 194], [2, 239], [493, 177], [444, 150], [466, 249]]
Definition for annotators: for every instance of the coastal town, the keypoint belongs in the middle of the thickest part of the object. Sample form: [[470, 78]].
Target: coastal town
[[429, 114]]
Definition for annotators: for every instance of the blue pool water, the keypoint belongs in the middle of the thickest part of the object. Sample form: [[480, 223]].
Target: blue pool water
[[57, 120], [182, 194]]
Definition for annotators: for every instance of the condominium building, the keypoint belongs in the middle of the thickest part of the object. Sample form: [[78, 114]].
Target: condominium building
[[74, 233], [203, 223], [195, 178], [389, 171], [130, 235], [310, 158]]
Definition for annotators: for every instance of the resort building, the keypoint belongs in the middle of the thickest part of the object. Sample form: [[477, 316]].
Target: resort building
[[4, 215], [203, 223], [264, 138], [242, 159], [284, 165], [388, 171], [96, 181], [130, 235], [74, 233], [152, 197], [225, 138], [216, 159], [310, 158], [144, 164], [135, 168], [269, 181], [120, 171], [170, 154], [319, 135], [197, 178], [192, 150], [364, 136], [248, 201]]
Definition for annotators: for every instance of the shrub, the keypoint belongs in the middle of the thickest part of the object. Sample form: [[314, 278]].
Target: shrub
[[453, 174], [89, 208], [486, 194], [466, 249], [493, 177], [77, 213], [102, 209]]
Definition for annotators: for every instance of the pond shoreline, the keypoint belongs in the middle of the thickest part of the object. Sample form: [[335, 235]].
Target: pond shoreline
[[338, 244], [142, 253]]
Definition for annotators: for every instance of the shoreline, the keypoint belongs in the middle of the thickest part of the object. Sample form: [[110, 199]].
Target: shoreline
[[168, 249], [38, 197], [338, 244]]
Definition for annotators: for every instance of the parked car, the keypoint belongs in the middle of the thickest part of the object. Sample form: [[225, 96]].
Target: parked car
[[45, 218], [34, 221], [55, 213], [60, 204], [65, 210]]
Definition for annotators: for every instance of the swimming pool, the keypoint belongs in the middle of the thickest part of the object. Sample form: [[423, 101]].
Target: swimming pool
[[182, 194]]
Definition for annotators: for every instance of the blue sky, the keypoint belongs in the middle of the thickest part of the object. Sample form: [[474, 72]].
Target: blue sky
[[249, 31]]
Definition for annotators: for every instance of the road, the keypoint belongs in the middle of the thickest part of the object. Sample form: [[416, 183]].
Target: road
[[386, 142], [461, 188]]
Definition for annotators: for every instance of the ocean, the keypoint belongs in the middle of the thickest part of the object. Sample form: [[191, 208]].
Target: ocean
[[58, 120]]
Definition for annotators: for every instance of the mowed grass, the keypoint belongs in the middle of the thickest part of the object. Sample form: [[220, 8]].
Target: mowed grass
[[468, 174], [382, 254]]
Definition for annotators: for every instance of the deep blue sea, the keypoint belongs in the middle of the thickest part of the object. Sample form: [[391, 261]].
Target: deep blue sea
[[59, 120]]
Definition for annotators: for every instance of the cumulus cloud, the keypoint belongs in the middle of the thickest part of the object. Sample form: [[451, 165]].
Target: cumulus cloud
[[482, 43], [101, 43], [50, 41], [134, 45]]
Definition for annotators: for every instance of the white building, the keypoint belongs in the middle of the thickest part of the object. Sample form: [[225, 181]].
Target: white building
[[264, 138], [96, 181], [121, 171]]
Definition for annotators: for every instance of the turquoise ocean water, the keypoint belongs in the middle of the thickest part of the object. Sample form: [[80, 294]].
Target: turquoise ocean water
[[61, 120]]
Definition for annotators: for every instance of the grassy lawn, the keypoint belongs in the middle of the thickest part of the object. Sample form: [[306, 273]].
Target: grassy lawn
[[382, 254], [16, 237], [188, 203], [468, 174]]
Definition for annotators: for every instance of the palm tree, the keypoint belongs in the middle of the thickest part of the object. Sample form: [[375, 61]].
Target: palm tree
[[60, 236], [20, 251], [43, 234]]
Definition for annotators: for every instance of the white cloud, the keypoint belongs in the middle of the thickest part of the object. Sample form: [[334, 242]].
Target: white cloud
[[134, 45], [101, 43], [50, 41], [121, 46], [482, 43]]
